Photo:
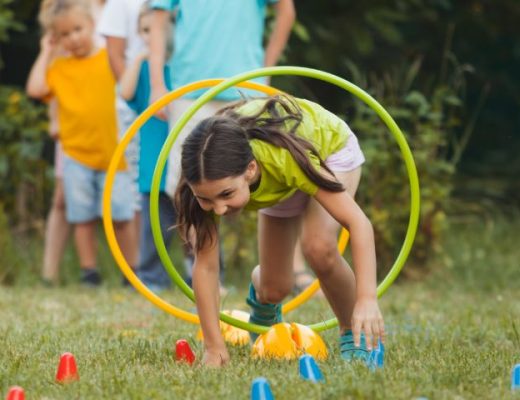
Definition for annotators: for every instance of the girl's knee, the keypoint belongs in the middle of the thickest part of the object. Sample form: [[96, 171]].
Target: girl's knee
[[322, 254], [274, 294]]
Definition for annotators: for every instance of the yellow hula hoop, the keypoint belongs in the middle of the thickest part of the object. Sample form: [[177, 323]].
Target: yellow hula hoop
[[107, 209]]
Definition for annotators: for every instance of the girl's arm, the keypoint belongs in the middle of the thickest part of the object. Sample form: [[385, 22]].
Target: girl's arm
[[285, 15], [158, 40], [129, 78], [367, 316], [206, 287], [36, 86]]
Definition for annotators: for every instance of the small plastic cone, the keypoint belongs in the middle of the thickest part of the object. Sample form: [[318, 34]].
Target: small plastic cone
[[289, 341], [309, 370], [309, 341], [276, 343], [67, 370], [230, 333], [260, 390], [15, 393], [183, 352], [375, 360], [515, 377]]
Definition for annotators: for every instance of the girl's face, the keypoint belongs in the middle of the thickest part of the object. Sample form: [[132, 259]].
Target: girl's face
[[226, 196], [145, 22], [75, 32]]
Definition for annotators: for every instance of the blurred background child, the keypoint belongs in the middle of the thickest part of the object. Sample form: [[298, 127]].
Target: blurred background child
[[134, 87], [57, 229], [84, 88]]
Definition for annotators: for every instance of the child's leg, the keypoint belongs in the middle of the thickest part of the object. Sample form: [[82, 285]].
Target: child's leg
[[56, 234], [86, 244], [273, 279], [151, 270], [125, 235], [123, 216], [319, 243]]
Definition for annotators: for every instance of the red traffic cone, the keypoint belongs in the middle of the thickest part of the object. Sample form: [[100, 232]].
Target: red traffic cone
[[15, 393], [67, 370], [183, 351]]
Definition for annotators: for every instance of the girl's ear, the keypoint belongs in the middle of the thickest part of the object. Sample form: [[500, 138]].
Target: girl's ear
[[252, 170]]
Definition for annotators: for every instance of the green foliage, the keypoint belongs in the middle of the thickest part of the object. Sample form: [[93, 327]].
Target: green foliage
[[9, 261], [7, 23], [25, 175], [429, 122]]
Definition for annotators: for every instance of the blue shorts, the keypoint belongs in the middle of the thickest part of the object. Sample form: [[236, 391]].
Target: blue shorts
[[84, 187]]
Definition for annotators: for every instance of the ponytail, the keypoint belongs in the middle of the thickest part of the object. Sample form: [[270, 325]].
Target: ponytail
[[280, 130]]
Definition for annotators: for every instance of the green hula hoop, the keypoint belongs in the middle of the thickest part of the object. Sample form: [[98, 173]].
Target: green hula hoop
[[275, 71]]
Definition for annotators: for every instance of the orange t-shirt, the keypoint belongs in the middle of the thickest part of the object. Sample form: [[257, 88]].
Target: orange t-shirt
[[85, 89]]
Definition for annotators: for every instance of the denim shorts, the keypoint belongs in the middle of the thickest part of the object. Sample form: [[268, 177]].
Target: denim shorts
[[347, 159], [84, 187]]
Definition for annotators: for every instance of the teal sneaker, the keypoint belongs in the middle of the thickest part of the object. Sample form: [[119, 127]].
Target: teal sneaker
[[262, 314], [349, 351]]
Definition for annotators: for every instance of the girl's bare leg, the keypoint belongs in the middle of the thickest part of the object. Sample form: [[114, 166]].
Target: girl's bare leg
[[273, 279], [319, 237]]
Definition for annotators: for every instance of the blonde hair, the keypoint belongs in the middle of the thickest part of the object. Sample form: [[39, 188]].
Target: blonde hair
[[51, 9]]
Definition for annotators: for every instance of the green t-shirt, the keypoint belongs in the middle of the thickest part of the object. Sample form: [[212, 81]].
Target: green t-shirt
[[281, 175]]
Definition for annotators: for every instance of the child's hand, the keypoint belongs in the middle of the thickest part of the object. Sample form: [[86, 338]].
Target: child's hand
[[215, 358], [48, 42], [156, 94], [368, 319]]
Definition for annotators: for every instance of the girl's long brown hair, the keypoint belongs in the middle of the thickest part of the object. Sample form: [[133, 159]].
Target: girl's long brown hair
[[218, 147]]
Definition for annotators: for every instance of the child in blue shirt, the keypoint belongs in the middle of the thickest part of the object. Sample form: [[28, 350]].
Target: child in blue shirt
[[135, 89]]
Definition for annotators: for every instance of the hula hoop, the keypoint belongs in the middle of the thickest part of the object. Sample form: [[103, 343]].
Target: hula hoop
[[107, 210], [412, 174]]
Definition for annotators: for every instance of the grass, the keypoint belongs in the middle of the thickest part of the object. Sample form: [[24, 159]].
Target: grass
[[452, 335]]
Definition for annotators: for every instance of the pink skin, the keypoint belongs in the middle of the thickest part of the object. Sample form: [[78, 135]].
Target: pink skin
[[74, 29], [145, 23], [226, 196]]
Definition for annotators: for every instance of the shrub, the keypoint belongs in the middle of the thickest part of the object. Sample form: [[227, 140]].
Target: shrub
[[24, 173]]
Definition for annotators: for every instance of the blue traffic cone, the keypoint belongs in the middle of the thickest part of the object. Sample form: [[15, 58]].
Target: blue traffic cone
[[515, 378], [260, 390], [376, 360], [309, 370]]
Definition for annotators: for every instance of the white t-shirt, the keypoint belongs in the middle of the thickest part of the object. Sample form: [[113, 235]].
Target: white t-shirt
[[119, 19]]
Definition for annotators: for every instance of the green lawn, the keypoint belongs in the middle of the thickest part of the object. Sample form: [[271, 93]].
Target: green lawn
[[452, 335]]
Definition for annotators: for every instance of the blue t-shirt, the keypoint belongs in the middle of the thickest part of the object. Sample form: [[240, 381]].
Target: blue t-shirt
[[216, 39], [153, 133]]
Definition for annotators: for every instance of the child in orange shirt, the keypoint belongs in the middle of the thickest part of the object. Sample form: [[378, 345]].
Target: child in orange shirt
[[84, 88]]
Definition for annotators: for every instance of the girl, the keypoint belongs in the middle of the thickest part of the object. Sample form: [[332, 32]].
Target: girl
[[300, 166], [57, 228], [82, 84]]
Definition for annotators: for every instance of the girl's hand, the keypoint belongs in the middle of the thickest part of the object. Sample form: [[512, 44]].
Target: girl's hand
[[215, 358], [368, 319]]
